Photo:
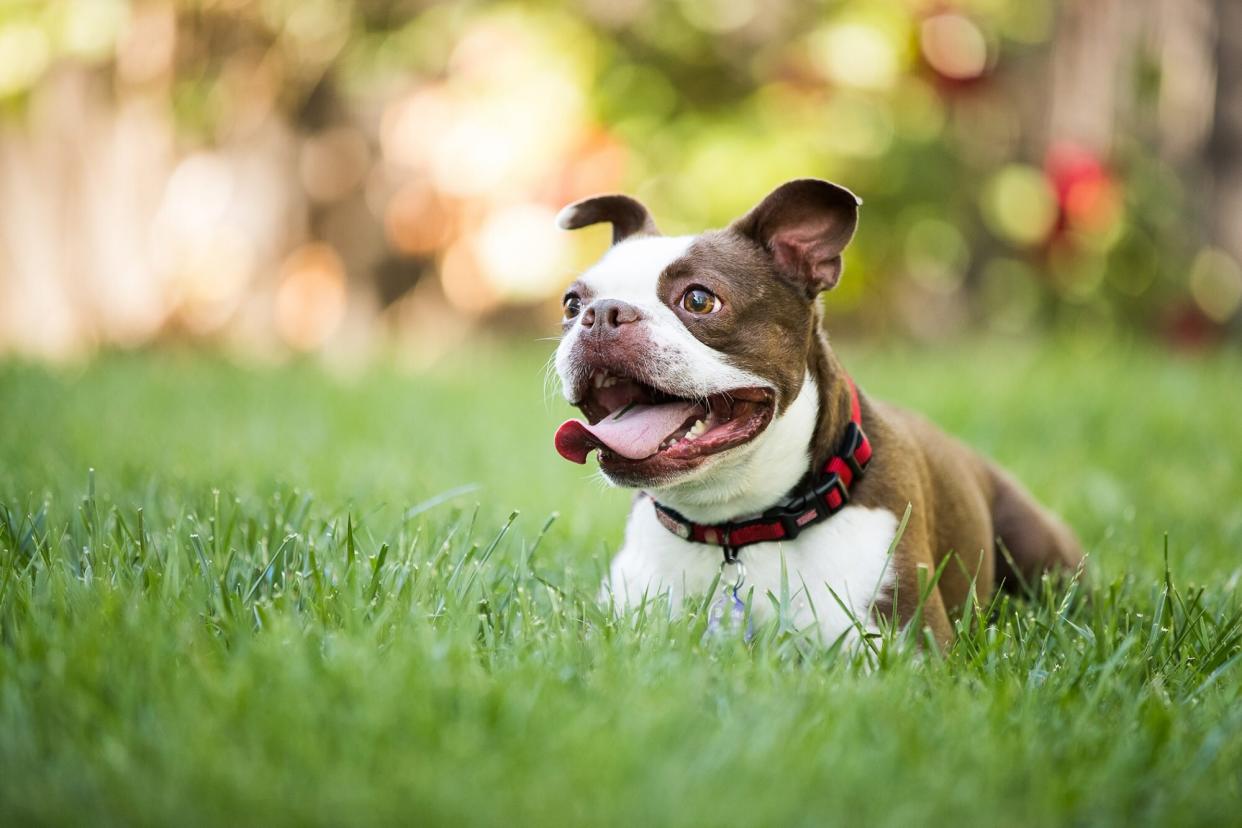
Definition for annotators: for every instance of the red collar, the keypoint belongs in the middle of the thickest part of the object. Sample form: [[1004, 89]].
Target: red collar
[[822, 496]]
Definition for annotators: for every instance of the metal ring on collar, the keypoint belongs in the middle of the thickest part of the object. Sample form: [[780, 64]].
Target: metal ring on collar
[[739, 575]]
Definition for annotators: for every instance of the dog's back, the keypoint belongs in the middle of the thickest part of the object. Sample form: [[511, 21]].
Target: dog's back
[[973, 510]]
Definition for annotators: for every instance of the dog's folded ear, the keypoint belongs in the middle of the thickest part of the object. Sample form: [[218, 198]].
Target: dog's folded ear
[[627, 216], [804, 224]]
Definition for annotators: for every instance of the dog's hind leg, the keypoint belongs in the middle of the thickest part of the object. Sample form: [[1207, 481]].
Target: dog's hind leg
[[1034, 540]]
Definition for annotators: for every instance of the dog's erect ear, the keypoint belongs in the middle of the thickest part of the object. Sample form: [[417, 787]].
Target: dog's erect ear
[[627, 216], [804, 224]]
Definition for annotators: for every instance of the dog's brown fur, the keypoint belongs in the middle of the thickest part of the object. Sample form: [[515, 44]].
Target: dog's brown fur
[[962, 507]]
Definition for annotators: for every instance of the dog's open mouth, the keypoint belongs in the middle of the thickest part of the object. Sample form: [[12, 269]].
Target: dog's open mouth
[[636, 426]]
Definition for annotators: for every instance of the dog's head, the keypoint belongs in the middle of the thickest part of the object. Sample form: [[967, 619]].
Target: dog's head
[[682, 352]]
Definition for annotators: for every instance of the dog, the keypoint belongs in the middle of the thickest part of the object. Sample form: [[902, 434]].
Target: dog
[[707, 383]]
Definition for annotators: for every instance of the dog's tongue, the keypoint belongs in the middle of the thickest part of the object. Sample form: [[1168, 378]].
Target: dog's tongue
[[634, 432]]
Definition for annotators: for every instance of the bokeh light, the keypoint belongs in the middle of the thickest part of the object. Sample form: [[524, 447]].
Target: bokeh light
[[953, 45], [1020, 205], [1216, 284], [310, 299], [522, 252], [858, 54], [24, 55]]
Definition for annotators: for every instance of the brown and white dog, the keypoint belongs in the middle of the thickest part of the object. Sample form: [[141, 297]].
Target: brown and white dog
[[708, 384]]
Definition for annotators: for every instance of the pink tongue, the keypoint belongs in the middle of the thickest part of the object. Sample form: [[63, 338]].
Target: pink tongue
[[633, 433]]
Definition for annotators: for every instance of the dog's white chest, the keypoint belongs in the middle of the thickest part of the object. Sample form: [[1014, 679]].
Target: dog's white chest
[[848, 555]]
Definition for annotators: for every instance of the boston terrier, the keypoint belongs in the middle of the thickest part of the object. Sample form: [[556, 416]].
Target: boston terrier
[[708, 385]]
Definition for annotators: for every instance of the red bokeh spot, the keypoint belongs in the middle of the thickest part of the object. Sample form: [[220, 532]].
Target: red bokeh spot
[[1088, 197]]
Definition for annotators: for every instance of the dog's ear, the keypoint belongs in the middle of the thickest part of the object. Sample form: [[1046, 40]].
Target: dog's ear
[[804, 224], [627, 216]]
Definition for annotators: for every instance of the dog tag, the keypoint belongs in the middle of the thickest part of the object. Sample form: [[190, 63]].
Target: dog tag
[[728, 613]]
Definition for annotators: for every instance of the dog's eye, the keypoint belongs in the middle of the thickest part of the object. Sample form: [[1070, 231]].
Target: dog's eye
[[701, 301], [572, 306]]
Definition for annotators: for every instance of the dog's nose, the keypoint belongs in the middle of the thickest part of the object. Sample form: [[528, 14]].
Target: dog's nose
[[607, 315]]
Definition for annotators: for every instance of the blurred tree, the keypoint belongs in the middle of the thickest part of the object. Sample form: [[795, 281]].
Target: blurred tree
[[296, 170]]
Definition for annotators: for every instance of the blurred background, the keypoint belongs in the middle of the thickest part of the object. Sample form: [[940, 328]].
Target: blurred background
[[284, 176]]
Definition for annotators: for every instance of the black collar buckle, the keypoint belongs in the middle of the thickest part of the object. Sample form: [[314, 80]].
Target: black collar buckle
[[816, 499], [832, 482], [851, 441]]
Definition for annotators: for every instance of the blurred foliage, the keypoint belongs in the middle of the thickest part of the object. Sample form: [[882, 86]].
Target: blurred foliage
[[935, 113]]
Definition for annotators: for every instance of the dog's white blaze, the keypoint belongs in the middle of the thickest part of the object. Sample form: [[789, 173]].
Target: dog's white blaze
[[846, 554], [630, 271]]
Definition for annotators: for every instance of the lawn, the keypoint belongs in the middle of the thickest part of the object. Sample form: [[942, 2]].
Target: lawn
[[294, 595]]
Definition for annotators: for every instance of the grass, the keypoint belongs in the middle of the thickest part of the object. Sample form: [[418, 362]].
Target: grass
[[287, 596]]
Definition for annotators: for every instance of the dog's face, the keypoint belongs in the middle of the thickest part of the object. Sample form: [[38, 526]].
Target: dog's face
[[682, 352]]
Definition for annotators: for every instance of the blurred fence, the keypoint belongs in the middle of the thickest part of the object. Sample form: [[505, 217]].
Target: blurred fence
[[307, 174]]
